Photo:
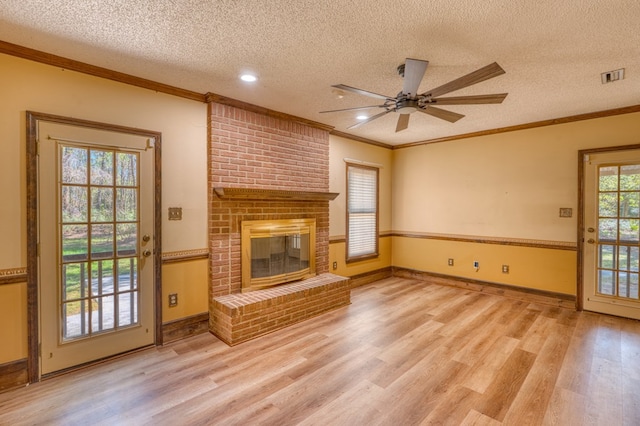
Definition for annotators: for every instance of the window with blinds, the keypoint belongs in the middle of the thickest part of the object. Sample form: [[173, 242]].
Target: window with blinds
[[362, 212]]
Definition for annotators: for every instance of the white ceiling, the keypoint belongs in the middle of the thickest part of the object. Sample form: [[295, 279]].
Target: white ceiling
[[552, 51]]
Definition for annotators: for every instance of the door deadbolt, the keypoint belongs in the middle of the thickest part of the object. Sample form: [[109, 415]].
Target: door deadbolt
[[146, 238], [588, 230]]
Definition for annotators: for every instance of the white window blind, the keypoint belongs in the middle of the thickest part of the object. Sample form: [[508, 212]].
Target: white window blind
[[362, 211]]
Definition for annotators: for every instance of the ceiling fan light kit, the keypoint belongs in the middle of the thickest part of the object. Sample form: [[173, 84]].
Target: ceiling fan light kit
[[409, 101]]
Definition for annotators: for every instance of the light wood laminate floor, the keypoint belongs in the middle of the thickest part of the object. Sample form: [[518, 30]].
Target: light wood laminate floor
[[405, 352]]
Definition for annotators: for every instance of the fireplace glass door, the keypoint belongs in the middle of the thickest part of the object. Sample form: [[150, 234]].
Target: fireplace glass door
[[276, 252]]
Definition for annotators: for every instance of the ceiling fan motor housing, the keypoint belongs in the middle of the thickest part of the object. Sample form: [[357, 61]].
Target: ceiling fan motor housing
[[406, 106]]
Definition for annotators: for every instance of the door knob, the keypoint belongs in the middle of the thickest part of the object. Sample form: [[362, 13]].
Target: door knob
[[591, 241], [146, 253]]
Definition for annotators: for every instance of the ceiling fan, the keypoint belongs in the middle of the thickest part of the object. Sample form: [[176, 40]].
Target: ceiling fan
[[409, 101]]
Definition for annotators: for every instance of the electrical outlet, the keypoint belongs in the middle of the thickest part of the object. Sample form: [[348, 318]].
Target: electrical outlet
[[173, 300], [335, 265], [476, 264], [450, 262], [175, 213], [505, 269]]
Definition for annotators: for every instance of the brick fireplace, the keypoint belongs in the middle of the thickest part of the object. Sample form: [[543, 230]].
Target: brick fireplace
[[262, 166]]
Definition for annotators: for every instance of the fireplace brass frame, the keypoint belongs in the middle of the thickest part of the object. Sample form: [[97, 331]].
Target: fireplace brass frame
[[264, 228]]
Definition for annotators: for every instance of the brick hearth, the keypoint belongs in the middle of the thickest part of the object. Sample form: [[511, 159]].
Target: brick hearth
[[244, 316]]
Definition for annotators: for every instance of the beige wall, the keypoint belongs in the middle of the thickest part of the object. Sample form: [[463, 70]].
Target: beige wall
[[509, 185], [341, 149], [27, 85]]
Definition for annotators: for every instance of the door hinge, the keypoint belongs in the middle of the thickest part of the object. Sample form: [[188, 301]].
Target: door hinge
[[38, 148]]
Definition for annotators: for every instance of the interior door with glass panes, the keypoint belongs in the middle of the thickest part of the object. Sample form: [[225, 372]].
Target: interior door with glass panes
[[95, 222], [612, 233]]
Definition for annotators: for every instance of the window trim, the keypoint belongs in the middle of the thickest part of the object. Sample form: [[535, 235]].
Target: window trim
[[376, 253]]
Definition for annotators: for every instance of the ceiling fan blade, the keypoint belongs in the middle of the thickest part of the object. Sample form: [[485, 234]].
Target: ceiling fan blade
[[403, 122], [370, 119], [449, 116], [414, 70], [470, 79], [354, 108], [470, 100], [362, 92]]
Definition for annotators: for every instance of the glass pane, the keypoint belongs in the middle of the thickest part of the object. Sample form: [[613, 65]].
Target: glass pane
[[630, 177], [101, 204], [606, 284], [102, 281], [608, 204], [126, 204], [101, 241], [127, 169], [74, 243], [75, 321], [606, 257], [608, 229], [127, 274], [74, 281], [608, 178], [629, 202], [127, 238], [74, 165], [103, 314], [625, 282], [74, 203], [128, 308], [629, 229], [634, 259], [101, 167], [633, 287], [624, 258]]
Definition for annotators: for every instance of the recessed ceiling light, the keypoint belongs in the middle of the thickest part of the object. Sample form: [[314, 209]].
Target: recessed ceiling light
[[250, 78], [362, 117]]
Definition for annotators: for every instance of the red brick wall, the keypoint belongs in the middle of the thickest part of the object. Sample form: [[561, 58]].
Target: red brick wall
[[252, 150]]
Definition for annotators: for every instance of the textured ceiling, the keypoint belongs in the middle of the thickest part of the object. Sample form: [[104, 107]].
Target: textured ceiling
[[553, 52]]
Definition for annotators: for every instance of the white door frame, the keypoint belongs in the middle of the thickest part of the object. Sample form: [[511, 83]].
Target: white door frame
[[583, 156], [32, 119]]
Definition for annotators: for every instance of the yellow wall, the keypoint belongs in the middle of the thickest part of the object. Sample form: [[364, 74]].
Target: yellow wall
[[542, 269], [189, 281], [13, 314], [508, 185], [337, 253], [30, 86]]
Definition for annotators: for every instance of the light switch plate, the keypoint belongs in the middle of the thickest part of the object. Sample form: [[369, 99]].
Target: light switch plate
[[566, 212]]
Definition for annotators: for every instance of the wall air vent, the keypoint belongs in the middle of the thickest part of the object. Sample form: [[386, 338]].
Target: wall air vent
[[611, 76]]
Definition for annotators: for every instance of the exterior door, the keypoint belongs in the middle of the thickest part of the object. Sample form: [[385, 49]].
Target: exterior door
[[96, 242], [612, 233]]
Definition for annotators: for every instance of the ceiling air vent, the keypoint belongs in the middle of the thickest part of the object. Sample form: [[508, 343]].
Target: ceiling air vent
[[611, 76]]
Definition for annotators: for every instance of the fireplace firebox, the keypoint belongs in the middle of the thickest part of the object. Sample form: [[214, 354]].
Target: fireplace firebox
[[277, 251]]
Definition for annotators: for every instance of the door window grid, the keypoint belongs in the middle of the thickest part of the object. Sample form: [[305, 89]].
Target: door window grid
[[618, 249], [99, 238]]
